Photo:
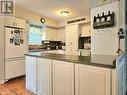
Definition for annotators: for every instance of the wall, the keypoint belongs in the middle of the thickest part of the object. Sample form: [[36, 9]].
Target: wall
[[85, 28], [1, 50], [95, 3], [33, 17], [105, 41], [64, 23], [125, 18]]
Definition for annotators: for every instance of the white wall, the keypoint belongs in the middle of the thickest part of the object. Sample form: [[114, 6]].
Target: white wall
[[1, 50], [64, 23], [95, 3], [33, 17], [105, 41]]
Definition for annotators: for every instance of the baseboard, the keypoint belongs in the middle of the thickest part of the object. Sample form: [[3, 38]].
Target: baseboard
[[1, 81]]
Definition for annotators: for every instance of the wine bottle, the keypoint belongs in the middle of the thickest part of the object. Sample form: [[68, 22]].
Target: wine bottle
[[103, 17], [98, 18], [94, 19], [109, 16]]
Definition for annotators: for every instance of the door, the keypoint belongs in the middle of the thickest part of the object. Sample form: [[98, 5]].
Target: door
[[14, 68], [15, 42], [91, 80], [31, 76], [72, 35], [63, 78], [44, 77]]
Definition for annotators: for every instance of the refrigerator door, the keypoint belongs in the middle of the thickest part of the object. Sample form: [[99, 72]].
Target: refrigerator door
[[15, 48], [14, 68], [15, 42]]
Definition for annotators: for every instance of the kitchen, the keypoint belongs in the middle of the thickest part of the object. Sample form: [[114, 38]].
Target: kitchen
[[50, 40]]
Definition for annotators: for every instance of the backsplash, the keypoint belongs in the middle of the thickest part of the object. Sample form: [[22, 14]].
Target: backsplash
[[52, 44], [47, 45]]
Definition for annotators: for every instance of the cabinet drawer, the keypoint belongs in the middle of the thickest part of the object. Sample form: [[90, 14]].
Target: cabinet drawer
[[14, 68]]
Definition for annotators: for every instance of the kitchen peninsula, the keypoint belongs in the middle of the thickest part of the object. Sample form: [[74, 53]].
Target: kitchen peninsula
[[60, 74]]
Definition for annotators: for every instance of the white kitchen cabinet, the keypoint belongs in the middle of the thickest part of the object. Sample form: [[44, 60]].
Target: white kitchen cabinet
[[86, 29], [44, 76], [13, 21], [90, 80], [31, 76], [72, 35], [63, 78], [61, 34], [49, 34]]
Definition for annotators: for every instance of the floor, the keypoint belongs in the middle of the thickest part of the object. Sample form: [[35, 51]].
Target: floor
[[15, 87]]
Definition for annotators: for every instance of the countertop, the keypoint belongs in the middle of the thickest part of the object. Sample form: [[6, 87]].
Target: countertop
[[105, 61], [39, 50]]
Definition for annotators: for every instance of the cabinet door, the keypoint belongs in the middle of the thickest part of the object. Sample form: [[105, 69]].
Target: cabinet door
[[91, 80], [61, 34], [14, 68], [86, 29], [50, 34], [31, 73], [63, 78], [44, 76]]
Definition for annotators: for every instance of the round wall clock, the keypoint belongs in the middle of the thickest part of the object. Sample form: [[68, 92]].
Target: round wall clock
[[42, 20]]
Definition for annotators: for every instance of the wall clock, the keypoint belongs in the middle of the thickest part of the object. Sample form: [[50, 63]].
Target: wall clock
[[42, 20]]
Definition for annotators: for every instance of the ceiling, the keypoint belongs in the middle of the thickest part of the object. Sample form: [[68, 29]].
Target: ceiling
[[50, 8]]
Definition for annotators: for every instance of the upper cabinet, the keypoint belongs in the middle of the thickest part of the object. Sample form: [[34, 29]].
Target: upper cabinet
[[86, 29], [53, 34], [61, 34], [49, 34], [15, 22]]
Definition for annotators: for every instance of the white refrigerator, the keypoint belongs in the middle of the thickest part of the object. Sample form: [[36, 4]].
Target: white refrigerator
[[15, 48]]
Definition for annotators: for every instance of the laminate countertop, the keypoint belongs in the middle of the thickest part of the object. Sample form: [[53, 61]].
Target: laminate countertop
[[105, 61]]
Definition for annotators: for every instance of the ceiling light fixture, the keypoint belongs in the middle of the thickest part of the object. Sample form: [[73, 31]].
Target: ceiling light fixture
[[64, 13]]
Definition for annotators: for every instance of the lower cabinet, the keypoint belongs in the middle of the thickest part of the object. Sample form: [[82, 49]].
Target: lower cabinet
[[52, 77], [31, 79], [63, 78], [44, 76], [90, 80]]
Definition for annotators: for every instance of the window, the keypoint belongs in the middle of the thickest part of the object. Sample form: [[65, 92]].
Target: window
[[35, 35]]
